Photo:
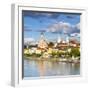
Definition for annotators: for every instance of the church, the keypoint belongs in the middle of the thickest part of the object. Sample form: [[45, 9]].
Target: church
[[42, 44]]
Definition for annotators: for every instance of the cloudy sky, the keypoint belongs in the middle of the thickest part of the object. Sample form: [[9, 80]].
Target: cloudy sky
[[51, 23]]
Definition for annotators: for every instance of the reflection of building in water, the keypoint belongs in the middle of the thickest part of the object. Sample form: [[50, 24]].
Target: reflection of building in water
[[41, 68], [42, 42]]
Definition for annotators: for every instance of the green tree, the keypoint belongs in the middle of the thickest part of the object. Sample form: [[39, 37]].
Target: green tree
[[75, 52], [51, 44]]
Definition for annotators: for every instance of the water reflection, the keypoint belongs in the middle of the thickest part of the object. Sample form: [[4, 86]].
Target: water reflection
[[34, 68]]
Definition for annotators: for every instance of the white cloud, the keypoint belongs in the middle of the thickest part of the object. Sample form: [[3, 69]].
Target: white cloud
[[75, 35], [64, 27], [28, 40], [78, 26], [59, 27]]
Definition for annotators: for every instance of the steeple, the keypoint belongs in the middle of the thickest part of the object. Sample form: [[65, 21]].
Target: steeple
[[42, 42], [59, 39], [42, 35]]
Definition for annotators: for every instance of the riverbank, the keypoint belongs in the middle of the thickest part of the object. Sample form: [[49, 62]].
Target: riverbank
[[69, 60]]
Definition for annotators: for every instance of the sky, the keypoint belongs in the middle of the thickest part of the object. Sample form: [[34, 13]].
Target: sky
[[52, 24]]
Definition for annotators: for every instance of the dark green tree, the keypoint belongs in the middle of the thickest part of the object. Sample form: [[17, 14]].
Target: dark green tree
[[75, 52], [51, 44]]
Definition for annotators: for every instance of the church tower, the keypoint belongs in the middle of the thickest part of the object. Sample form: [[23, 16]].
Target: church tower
[[59, 39], [42, 44]]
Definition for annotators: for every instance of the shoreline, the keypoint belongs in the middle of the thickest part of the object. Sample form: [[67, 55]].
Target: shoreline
[[53, 59]]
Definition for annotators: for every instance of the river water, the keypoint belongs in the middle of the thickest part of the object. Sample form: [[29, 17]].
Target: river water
[[35, 68]]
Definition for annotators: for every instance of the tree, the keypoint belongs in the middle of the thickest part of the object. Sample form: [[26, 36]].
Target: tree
[[51, 44], [75, 52]]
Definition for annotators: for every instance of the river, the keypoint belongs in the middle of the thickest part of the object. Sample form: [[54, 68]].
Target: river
[[35, 68]]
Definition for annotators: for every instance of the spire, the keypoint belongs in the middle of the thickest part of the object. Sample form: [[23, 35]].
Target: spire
[[59, 39], [42, 42], [42, 35], [67, 39]]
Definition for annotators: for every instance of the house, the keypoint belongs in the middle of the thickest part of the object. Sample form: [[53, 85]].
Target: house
[[74, 43], [62, 45]]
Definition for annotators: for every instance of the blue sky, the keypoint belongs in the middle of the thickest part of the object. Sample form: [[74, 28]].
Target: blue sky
[[51, 23]]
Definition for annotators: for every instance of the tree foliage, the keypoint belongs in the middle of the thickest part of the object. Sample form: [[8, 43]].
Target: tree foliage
[[75, 52]]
